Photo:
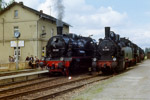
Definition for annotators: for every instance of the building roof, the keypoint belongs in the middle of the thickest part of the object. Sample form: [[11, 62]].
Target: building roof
[[41, 14]]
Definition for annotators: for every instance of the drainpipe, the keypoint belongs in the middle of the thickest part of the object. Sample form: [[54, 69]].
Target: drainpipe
[[3, 31], [38, 34], [37, 37]]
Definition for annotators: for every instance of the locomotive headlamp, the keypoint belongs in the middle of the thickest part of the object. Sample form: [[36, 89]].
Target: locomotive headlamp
[[114, 59], [94, 59], [62, 58]]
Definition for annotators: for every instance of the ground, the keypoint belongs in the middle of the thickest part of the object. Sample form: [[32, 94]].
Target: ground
[[133, 84]]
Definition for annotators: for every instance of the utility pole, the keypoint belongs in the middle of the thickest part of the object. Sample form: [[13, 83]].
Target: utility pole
[[17, 35], [17, 67]]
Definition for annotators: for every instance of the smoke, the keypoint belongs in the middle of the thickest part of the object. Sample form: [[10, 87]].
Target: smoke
[[60, 11]]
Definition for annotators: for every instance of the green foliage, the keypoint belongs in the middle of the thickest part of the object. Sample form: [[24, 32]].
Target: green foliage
[[11, 2], [1, 4], [4, 4]]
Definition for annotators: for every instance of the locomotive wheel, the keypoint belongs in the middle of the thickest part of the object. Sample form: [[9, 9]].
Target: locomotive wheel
[[104, 71], [135, 61], [66, 72], [121, 66], [130, 64], [74, 67], [71, 68]]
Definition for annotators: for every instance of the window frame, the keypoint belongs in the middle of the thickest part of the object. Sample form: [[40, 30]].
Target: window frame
[[16, 14]]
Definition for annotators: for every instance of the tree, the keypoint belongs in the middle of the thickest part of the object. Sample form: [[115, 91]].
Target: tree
[[3, 4]]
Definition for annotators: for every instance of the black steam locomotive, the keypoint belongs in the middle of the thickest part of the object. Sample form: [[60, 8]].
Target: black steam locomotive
[[68, 53], [114, 54]]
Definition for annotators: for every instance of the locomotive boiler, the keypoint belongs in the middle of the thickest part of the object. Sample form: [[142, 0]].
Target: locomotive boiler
[[68, 53]]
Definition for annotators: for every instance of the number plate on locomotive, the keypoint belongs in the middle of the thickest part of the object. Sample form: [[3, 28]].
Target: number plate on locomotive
[[105, 49], [55, 50]]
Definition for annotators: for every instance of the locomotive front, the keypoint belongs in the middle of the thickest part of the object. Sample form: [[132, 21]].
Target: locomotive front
[[107, 49], [56, 46], [107, 52]]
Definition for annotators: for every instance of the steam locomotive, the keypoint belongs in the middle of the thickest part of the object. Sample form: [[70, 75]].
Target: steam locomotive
[[115, 54], [68, 53]]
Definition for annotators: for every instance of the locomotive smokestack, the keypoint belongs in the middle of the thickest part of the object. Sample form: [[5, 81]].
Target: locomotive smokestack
[[118, 37], [59, 27], [107, 32]]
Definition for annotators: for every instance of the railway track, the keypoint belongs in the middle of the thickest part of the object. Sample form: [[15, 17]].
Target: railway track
[[52, 95], [50, 89], [25, 84]]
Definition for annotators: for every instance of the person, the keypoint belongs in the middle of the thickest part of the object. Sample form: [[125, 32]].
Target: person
[[27, 59], [37, 62], [10, 59], [31, 59], [30, 64], [35, 58], [14, 59]]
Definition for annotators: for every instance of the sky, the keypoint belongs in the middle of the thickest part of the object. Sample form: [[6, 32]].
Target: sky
[[128, 18]]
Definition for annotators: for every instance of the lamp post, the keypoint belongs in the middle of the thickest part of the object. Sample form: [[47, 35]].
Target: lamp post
[[17, 35]]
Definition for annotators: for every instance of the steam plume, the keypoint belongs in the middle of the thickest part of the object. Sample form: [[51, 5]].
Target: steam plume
[[60, 12]]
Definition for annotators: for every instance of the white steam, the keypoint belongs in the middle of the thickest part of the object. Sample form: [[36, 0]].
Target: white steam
[[60, 11]]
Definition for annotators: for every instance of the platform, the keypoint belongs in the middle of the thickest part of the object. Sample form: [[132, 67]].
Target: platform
[[21, 76], [6, 73], [133, 84]]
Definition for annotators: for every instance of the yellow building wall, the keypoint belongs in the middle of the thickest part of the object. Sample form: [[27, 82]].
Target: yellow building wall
[[30, 27], [27, 23]]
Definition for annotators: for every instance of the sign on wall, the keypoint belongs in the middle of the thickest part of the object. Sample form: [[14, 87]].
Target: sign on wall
[[14, 43]]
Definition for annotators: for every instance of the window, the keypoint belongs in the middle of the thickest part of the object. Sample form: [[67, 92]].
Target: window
[[15, 51], [43, 35], [16, 14], [43, 29]]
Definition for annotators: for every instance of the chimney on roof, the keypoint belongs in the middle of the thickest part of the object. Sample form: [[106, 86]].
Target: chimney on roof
[[21, 3], [41, 11]]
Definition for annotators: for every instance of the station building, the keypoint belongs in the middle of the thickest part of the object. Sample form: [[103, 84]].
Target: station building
[[35, 27]]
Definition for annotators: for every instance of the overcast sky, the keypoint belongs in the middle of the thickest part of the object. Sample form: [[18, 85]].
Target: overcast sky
[[129, 18]]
